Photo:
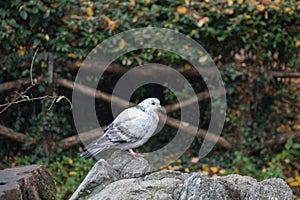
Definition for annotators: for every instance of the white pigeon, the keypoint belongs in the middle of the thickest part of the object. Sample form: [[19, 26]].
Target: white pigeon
[[131, 129]]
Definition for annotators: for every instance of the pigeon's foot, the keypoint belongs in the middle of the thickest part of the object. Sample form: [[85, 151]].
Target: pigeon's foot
[[135, 155]]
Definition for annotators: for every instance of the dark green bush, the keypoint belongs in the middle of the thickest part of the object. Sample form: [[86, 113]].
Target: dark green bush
[[247, 40]]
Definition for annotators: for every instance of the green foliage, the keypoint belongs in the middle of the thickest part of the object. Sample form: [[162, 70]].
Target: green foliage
[[265, 35], [274, 168]]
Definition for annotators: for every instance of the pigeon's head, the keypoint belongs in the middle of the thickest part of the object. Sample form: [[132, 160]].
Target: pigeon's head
[[150, 104]]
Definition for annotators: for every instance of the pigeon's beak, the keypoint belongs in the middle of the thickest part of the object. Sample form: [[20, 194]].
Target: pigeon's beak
[[162, 109]]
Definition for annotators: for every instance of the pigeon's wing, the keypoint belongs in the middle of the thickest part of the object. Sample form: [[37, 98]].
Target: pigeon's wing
[[125, 129], [128, 127], [118, 133]]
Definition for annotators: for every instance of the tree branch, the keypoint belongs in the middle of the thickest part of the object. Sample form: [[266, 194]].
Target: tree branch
[[285, 74], [18, 83], [82, 137], [283, 137], [90, 92], [120, 69], [199, 97], [9, 133]]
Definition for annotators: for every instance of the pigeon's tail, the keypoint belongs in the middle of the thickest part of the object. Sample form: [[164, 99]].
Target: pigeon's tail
[[86, 154], [93, 150]]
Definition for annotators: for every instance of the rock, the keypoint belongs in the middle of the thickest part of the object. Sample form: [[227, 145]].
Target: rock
[[124, 177], [26, 182], [99, 176], [162, 185], [237, 185], [200, 186], [127, 166], [274, 188]]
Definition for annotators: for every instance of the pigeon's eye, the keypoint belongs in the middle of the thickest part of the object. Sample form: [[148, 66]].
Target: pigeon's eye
[[153, 103]]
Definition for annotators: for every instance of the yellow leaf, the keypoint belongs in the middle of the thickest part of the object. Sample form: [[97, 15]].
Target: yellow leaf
[[297, 178], [75, 17], [261, 8], [228, 11], [132, 2], [246, 16], [187, 170], [222, 172], [289, 180], [194, 159], [181, 9], [275, 7], [294, 184], [134, 19], [205, 168], [72, 173], [202, 21], [111, 23], [90, 4], [47, 38], [240, 1], [284, 128], [214, 169], [287, 10], [159, 53], [229, 2], [70, 161], [297, 44], [21, 51], [213, 9], [113, 26], [193, 32], [71, 55], [205, 172], [187, 66], [122, 44], [89, 11], [236, 170], [54, 5], [266, 15], [175, 167]]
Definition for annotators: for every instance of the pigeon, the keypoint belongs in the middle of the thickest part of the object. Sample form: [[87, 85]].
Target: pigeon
[[131, 128]]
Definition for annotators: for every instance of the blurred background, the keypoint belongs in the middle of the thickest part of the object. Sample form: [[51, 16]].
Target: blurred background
[[255, 45]]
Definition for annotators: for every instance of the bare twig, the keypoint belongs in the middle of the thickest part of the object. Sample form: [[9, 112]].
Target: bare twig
[[31, 66], [7, 105]]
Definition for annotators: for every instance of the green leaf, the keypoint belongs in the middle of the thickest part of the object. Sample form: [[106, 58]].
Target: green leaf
[[24, 14]]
